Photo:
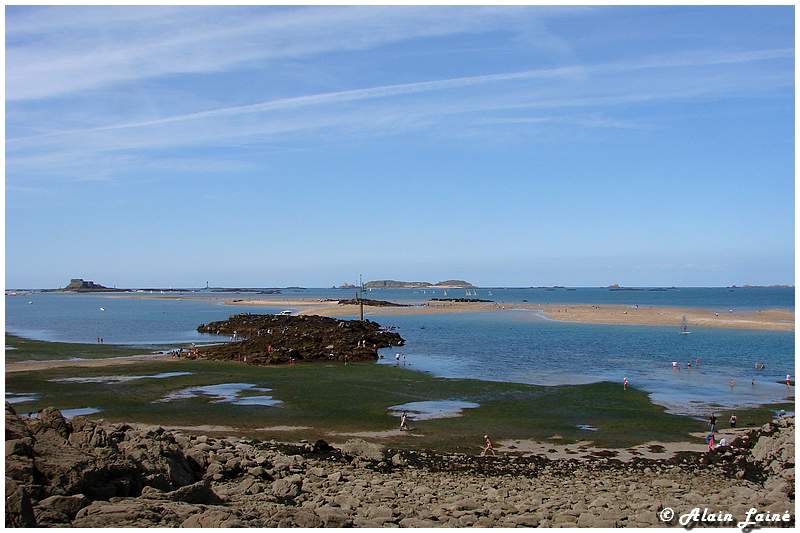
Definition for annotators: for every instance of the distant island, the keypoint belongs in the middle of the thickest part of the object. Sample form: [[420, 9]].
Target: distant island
[[81, 285], [393, 284]]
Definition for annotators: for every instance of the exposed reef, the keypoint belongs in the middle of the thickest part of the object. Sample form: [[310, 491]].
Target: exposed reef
[[277, 339], [372, 303]]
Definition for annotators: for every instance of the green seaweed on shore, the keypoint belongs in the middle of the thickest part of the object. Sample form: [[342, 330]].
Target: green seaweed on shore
[[28, 349], [336, 402]]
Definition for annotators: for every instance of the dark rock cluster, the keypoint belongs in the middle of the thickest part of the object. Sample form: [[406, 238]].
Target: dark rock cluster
[[373, 303], [461, 300], [278, 339]]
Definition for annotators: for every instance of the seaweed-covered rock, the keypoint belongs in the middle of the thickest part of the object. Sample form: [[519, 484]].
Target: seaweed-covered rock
[[372, 303], [277, 339]]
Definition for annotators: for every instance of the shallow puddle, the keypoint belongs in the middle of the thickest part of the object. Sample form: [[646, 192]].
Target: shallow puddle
[[120, 379], [21, 397], [82, 411], [225, 393], [433, 409], [72, 413]]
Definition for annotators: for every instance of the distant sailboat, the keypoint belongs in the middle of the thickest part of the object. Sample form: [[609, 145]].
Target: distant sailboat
[[102, 308], [685, 327]]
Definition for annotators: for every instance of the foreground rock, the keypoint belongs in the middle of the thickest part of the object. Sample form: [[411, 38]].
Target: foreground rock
[[277, 339], [93, 474]]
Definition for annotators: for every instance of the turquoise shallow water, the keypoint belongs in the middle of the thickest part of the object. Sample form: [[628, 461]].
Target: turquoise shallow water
[[517, 346]]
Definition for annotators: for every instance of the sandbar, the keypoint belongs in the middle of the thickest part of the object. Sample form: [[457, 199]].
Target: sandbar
[[611, 314]]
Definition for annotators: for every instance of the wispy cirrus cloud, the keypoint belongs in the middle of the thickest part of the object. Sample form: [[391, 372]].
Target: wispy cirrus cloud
[[57, 51], [98, 108], [695, 59]]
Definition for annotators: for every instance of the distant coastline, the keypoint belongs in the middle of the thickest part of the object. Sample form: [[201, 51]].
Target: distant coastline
[[394, 284], [81, 285]]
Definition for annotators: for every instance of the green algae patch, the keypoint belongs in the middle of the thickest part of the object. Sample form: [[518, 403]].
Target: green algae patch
[[23, 349]]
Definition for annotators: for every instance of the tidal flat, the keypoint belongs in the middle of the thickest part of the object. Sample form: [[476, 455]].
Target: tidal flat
[[322, 400], [24, 349]]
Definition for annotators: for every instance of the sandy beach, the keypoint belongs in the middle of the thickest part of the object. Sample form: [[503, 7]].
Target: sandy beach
[[767, 319]]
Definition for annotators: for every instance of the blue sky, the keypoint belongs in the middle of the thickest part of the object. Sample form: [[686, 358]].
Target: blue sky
[[271, 146]]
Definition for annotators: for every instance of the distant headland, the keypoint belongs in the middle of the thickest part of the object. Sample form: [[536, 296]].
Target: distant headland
[[393, 284], [81, 285]]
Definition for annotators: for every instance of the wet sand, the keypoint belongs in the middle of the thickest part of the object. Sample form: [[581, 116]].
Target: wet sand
[[766, 319], [770, 319], [25, 366], [610, 314]]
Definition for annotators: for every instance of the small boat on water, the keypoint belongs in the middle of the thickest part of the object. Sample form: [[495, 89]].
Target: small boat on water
[[685, 327]]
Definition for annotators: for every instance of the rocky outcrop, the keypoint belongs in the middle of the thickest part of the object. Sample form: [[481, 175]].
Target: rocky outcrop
[[461, 300], [230, 482], [81, 285], [372, 303], [277, 339]]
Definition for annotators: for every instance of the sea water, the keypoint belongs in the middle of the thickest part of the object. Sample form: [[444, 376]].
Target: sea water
[[123, 320], [522, 347], [516, 346]]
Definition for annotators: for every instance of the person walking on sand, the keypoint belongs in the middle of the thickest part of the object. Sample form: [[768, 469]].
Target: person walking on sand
[[403, 425], [397, 358], [733, 421], [788, 380], [712, 423], [625, 383], [487, 447]]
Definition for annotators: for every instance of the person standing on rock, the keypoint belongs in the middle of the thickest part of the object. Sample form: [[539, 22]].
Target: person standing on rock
[[487, 447], [733, 421]]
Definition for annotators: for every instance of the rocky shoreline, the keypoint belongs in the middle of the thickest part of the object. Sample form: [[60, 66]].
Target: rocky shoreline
[[87, 473], [278, 339]]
